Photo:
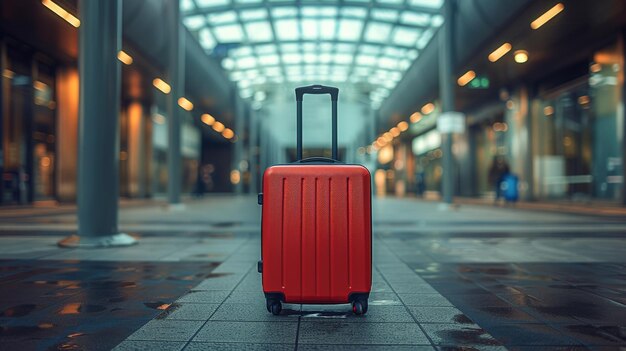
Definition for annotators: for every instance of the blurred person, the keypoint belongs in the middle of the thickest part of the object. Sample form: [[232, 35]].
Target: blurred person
[[497, 173]]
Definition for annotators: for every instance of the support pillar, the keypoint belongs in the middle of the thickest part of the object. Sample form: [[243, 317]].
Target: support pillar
[[176, 77], [253, 151], [100, 38], [446, 87], [240, 125]]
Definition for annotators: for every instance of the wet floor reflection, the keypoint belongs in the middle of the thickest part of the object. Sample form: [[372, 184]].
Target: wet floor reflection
[[557, 304], [74, 305]]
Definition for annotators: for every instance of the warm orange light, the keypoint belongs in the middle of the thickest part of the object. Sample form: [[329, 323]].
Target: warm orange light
[[548, 110], [395, 131], [595, 68], [228, 133], [416, 117], [403, 126], [521, 56], [381, 141], [466, 78], [207, 119], [235, 176], [185, 104], [7, 73], [499, 52], [583, 100], [161, 85], [548, 15], [428, 108], [39, 85], [124, 57], [388, 137], [218, 127], [61, 12]]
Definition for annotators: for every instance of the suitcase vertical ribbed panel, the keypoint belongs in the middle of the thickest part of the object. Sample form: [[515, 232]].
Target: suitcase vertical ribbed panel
[[316, 232]]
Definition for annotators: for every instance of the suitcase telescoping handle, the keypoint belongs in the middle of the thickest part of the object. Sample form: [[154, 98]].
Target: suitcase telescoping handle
[[316, 89]]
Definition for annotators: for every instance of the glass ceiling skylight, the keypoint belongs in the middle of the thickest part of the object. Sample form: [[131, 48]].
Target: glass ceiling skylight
[[264, 43]]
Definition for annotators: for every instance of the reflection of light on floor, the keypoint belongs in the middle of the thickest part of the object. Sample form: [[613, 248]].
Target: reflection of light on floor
[[163, 306], [70, 308]]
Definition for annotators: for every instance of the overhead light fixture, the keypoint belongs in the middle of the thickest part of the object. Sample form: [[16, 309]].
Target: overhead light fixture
[[218, 127], [466, 78], [595, 67], [207, 119], [548, 110], [185, 104], [161, 85], [228, 133], [499, 52], [61, 12], [395, 131], [428, 108], [415, 117], [124, 57], [548, 15], [7, 73], [388, 136], [521, 56], [403, 126]]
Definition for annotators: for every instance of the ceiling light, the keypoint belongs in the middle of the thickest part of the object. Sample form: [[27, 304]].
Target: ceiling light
[[521, 56], [161, 85], [207, 119], [218, 127], [428, 108], [548, 15], [61, 12], [185, 104], [499, 52], [124, 57], [466, 78], [388, 136], [416, 117], [395, 131], [403, 126], [548, 110], [228, 133]]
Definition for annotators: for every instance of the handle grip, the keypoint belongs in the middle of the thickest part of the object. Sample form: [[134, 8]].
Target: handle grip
[[317, 89], [318, 160]]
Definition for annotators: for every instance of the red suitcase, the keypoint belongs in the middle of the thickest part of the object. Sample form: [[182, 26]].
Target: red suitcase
[[316, 234]]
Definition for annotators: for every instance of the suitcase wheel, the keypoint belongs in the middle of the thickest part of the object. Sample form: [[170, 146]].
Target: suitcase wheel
[[359, 306], [274, 306]]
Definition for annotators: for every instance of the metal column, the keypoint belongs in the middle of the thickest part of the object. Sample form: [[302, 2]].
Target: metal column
[[100, 37], [446, 87], [176, 77], [253, 151], [240, 123]]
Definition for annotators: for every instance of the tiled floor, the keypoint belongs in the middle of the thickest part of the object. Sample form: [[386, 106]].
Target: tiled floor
[[472, 278]]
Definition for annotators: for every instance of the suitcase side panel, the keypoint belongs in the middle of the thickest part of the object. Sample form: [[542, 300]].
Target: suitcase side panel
[[324, 232]]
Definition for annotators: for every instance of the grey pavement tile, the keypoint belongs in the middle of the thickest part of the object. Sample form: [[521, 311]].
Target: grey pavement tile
[[343, 313], [470, 348], [413, 288], [335, 333], [189, 311], [249, 332], [530, 335], [384, 299], [215, 346], [488, 316], [167, 330], [205, 296], [302, 347], [248, 297], [129, 345], [439, 315], [432, 300], [460, 335], [596, 335], [227, 282], [255, 312]]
